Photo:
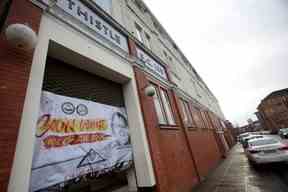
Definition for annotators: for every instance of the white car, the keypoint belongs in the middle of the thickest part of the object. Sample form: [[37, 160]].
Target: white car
[[266, 150], [250, 137], [241, 136]]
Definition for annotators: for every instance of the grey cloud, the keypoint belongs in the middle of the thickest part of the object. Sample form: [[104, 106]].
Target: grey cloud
[[240, 47]]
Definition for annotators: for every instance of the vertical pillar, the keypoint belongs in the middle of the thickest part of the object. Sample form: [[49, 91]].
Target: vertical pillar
[[14, 74]]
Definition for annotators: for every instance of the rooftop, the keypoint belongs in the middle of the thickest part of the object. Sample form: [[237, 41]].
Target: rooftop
[[282, 92]]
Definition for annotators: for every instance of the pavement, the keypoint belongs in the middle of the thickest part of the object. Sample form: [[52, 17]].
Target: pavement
[[235, 174]]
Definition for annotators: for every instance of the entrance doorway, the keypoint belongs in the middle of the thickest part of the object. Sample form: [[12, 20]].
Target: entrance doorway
[[66, 80]]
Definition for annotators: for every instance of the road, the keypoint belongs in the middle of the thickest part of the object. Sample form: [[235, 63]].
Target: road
[[235, 174]]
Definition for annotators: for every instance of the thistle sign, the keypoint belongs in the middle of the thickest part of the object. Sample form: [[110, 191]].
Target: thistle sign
[[89, 18]]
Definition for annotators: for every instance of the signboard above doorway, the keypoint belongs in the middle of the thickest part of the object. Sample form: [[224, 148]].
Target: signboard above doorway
[[90, 19]]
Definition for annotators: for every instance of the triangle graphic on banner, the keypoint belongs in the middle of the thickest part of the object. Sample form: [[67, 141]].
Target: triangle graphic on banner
[[92, 157]]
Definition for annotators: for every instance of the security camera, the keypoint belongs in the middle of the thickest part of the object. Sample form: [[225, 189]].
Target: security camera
[[21, 36], [150, 91]]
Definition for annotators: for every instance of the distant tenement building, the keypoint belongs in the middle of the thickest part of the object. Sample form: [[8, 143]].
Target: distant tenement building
[[273, 110]]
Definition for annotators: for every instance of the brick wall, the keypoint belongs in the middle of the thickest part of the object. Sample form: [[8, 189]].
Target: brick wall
[[274, 112], [205, 150], [14, 74], [177, 153], [153, 135], [172, 162]]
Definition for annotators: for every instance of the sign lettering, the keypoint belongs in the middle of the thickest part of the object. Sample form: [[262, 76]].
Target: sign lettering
[[151, 64], [70, 145], [86, 16]]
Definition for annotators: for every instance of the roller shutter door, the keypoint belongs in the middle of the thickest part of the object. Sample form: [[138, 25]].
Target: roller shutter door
[[64, 79]]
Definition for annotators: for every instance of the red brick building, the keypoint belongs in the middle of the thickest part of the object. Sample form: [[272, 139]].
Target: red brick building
[[87, 51], [273, 110]]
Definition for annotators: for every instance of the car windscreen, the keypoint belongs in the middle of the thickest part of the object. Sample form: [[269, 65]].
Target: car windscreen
[[244, 135], [253, 137], [263, 142]]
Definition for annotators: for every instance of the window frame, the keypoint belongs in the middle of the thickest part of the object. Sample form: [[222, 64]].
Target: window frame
[[148, 40], [168, 102], [196, 111], [139, 33], [187, 110], [167, 124], [209, 120], [160, 104], [205, 120]]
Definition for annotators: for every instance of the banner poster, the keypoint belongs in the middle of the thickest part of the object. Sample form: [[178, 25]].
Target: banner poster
[[76, 137]]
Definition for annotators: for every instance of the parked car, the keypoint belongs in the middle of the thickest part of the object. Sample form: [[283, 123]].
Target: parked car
[[241, 136], [250, 137], [266, 150], [283, 133], [265, 132]]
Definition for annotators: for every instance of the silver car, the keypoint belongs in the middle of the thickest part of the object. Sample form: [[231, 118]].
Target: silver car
[[250, 137], [266, 150]]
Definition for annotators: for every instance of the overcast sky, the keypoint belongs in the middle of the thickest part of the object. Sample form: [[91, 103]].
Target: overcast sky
[[239, 47]]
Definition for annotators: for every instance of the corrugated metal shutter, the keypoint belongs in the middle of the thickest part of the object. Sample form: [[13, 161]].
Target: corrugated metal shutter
[[64, 79]]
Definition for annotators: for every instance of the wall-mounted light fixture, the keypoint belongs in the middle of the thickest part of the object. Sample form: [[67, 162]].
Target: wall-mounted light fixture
[[149, 91], [21, 36]]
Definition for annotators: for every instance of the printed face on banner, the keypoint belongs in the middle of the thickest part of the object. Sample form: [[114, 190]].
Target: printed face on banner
[[76, 137]]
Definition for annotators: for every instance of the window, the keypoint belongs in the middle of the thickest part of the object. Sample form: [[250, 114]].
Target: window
[[212, 120], [223, 124], [163, 107], [167, 107], [219, 124], [186, 113], [165, 54], [148, 41], [208, 119], [205, 120], [104, 4], [216, 122], [140, 5], [158, 108], [139, 33], [174, 46], [197, 117], [142, 36]]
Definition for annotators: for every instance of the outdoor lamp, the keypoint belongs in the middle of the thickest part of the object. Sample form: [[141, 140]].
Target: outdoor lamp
[[150, 91], [21, 36]]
